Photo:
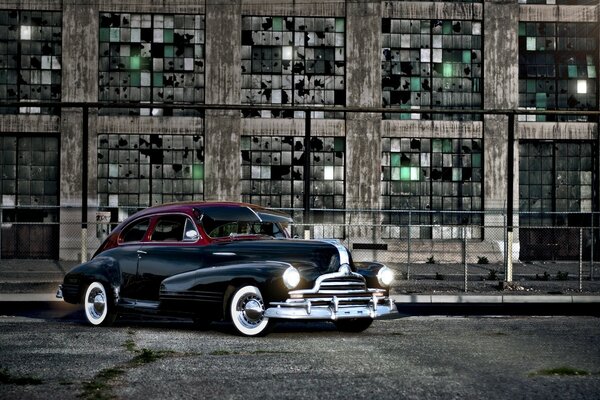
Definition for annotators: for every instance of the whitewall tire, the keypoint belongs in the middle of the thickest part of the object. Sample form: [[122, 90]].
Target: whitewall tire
[[247, 312], [97, 306]]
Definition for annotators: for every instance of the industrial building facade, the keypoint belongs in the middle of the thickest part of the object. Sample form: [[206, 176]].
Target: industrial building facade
[[405, 56]]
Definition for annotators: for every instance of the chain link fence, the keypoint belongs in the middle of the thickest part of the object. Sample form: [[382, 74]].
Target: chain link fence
[[450, 250]]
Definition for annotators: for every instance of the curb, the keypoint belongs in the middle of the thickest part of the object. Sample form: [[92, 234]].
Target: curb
[[494, 299]]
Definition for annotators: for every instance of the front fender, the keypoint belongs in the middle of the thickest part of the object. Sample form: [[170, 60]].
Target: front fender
[[369, 271]]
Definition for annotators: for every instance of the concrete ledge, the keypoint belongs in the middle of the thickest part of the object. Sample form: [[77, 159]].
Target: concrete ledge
[[16, 297], [494, 299]]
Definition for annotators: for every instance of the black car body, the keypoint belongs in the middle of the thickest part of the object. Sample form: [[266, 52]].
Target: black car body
[[232, 261]]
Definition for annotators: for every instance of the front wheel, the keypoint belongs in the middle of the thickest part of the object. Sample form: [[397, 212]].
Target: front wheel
[[247, 310], [353, 325], [96, 304]]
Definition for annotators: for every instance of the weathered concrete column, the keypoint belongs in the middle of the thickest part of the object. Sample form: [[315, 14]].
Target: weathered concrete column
[[79, 84], [501, 72], [222, 164], [363, 131]]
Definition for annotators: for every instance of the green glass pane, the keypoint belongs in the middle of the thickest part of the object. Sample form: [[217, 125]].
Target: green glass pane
[[134, 62], [395, 160], [447, 28], [522, 29], [168, 36], [395, 174], [104, 34], [115, 34], [338, 144], [466, 56], [540, 100], [572, 71], [405, 173], [135, 79], [476, 160], [405, 116], [277, 24], [530, 86], [198, 172], [447, 70], [415, 84], [169, 51], [437, 145], [339, 25], [157, 79], [447, 143]]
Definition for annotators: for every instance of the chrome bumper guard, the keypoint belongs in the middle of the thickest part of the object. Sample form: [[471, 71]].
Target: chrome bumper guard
[[59, 293], [334, 308]]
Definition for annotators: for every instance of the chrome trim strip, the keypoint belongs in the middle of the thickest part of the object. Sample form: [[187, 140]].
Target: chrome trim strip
[[320, 280]]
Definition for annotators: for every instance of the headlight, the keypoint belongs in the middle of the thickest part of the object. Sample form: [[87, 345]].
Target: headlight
[[385, 276], [291, 278]]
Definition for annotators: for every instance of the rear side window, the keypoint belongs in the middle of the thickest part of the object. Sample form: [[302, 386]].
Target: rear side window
[[136, 231], [174, 228]]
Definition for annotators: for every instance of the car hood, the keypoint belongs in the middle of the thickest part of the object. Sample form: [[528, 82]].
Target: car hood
[[306, 255]]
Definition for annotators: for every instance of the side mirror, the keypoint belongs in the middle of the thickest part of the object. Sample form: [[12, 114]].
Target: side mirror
[[191, 235]]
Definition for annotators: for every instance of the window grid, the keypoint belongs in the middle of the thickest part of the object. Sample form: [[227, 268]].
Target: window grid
[[555, 177], [429, 175], [558, 68], [293, 61], [146, 170], [431, 64], [273, 172], [29, 171], [151, 58], [30, 59]]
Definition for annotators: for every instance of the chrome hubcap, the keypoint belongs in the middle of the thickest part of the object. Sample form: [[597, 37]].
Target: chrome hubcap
[[96, 303], [251, 311]]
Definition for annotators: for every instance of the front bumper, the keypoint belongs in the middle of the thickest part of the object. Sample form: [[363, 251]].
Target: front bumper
[[331, 308]]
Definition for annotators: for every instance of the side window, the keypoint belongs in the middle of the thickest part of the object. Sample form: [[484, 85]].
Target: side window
[[174, 228], [136, 231]]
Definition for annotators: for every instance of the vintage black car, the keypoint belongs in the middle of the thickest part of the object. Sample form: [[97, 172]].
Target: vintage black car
[[226, 261]]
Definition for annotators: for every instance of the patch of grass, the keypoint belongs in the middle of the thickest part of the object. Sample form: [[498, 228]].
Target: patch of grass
[[430, 260], [492, 275], [129, 345], [99, 387], [482, 260], [561, 371], [8, 379], [145, 356]]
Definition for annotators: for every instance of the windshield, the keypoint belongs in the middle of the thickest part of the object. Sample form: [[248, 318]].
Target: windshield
[[227, 221]]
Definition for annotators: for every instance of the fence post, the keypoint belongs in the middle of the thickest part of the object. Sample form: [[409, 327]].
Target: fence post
[[464, 255], [580, 259], [408, 244], [1, 209], [84, 185]]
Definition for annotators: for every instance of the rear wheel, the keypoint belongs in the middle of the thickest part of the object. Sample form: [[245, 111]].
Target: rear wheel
[[353, 325], [247, 312], [97, 306]]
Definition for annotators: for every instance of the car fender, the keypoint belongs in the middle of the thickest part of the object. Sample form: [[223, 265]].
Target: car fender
[[369, 271], [101, 269]]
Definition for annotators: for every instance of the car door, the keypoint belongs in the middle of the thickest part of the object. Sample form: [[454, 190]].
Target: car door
[[127, 254], [171, 249]]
